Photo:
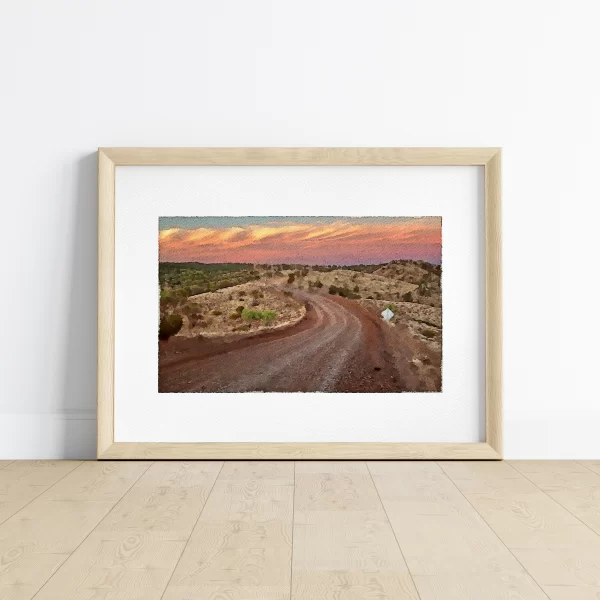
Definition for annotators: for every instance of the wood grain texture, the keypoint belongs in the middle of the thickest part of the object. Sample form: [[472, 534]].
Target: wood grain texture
[[23, 481], [241, 545], [571, 484], [133, 551], [38, 539], [553, 545], [299, 451], [300, 156], [592, 465], [493, 303], [450, 550], [110, 158], [344, 546], [106, 302], [175, 531]]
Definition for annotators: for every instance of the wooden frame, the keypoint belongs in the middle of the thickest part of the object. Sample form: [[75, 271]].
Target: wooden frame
[[110, 158]]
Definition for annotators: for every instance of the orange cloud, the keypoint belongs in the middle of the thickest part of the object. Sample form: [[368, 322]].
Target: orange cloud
[[342, 242]]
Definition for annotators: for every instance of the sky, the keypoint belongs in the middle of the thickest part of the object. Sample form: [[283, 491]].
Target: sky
[[304, 240]]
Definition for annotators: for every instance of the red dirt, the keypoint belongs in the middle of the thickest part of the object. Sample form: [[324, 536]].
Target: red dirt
[[339, 347]]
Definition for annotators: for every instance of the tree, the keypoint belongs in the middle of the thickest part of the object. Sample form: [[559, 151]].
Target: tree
[[169, 326], [291, 278]]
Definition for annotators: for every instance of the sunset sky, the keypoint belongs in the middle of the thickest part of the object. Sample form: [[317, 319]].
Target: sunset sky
[[306, 240]]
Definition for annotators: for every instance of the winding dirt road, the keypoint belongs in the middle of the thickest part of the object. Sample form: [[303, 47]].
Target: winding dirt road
[[338, 347]]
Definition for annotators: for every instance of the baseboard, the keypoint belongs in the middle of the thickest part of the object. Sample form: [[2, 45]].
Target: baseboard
[[71, 434], [60, 435], [552, 435]]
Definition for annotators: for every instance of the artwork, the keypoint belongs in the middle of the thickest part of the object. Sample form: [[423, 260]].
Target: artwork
[[300, 304]]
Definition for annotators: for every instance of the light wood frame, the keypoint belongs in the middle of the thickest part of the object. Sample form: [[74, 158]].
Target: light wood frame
[[110, 158]]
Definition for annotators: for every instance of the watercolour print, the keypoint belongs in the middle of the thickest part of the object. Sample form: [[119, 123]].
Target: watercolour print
[[300, 304]]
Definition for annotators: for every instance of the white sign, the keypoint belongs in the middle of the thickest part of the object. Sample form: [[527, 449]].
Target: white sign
[[387, 314]]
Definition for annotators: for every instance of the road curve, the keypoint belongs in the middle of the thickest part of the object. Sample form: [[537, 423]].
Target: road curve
[[339, 347]]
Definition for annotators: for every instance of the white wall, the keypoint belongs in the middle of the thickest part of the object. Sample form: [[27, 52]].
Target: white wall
[[518, 74]]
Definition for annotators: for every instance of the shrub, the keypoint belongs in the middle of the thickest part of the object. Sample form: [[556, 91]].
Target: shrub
[[291, 278], [255, 302], [318, 284], [259, 315], [241, 294], [235, 315], [217, 313], [370, 298], [287, 294], [169, 326], [333, 289], [407, 297], [356, 289], [239, 309], [428, 333]]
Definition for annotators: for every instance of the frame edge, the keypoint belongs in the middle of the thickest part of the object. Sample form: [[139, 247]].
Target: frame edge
[[493, 302], [106, 309], [110, 158]]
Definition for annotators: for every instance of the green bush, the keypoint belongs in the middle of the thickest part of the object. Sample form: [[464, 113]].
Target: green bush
[[239, 309], [235, 315], [268, 316], [169, 326]]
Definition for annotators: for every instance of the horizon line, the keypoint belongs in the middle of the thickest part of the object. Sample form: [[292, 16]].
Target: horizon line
[[307, 264]]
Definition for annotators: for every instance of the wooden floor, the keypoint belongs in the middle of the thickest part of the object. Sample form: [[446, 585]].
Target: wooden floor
[[306, 530]]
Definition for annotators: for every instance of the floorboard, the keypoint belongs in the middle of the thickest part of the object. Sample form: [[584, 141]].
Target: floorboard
[[134, 549], [450, 550], [571, 484], [39, 538], [559, 550], [344, 546], [241, 545], [310, 530], [23, 481]]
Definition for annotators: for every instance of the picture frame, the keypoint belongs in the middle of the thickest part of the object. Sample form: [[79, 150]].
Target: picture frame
[[111, 158]]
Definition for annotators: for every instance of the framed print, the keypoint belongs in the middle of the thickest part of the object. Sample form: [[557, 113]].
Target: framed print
[[299, 303]]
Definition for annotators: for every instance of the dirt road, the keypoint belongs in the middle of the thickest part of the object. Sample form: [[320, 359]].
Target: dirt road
[[339, 347]]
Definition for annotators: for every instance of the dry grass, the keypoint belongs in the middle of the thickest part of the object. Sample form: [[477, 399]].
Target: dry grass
[[221, 311]]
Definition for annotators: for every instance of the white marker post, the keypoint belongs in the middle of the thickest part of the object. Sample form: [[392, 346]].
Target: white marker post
[[387, 314]]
